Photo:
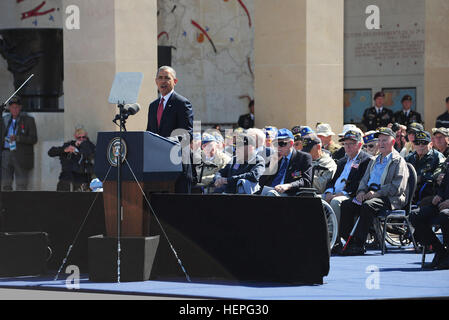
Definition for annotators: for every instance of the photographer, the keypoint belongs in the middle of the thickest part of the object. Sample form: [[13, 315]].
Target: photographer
[[76, 161]]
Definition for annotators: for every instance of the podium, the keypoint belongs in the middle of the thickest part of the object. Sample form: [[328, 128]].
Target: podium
[[151, 161]]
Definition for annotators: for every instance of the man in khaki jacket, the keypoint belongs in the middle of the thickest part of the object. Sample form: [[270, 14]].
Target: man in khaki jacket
[[383, 187], [213, 160]]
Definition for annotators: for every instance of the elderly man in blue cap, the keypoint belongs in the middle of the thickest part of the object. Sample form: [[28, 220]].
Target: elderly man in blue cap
[[294, 168], [370, 143]]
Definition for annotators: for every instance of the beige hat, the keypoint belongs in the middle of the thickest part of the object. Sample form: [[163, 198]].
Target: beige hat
[[324, 129], [441, 130]]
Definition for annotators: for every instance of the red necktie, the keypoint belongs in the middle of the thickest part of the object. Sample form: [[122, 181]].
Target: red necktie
[[160, 110]]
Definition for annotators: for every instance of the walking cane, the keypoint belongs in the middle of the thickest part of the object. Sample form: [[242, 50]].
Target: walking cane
[[351, 234]]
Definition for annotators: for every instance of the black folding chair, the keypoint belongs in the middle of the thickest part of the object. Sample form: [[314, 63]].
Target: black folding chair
[[396, 218]]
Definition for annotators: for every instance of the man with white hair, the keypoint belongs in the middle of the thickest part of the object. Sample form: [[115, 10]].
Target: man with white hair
[[261, 148], [383, 186]]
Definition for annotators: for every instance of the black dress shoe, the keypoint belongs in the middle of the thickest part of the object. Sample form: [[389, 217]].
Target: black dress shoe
[[443, 264], [354, 250], [338, 247], [438, 256]]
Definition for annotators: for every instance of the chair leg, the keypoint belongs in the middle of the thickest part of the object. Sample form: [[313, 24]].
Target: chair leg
[[423, 258], [384, 235], [409, 226]]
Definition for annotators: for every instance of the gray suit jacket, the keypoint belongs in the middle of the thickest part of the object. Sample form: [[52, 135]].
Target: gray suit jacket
[[394, 181]]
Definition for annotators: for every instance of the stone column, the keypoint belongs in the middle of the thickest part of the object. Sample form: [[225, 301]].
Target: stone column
[[114, 36], [299, 62], [436, 63]]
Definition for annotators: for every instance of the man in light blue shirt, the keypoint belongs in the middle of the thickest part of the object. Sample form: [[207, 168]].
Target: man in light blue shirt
[[350, 170]]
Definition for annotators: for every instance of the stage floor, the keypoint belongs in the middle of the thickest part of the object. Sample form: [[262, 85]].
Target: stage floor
[[395, 275]]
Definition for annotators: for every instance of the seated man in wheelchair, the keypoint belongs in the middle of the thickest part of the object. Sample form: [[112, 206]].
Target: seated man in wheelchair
[[435, 213], [323, 166], [428, 164], [390, 173], [291, 171], [212, 160]]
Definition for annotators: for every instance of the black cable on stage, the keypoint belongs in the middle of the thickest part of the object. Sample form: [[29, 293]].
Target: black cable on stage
[[79, 230], [159, 223]]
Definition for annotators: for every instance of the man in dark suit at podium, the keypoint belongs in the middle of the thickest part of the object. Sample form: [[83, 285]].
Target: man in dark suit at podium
[[170, 112]]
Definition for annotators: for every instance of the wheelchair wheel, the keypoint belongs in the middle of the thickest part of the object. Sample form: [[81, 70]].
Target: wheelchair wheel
[[397, 236], [332, 224]]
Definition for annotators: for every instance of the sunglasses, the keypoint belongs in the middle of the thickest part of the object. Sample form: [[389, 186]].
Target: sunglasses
[[81, 137], [370, 146], [420, 143], [282, 143]]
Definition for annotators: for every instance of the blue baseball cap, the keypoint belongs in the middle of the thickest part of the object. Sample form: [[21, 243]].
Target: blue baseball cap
[[369, 136], [284, 134], [305, 130]]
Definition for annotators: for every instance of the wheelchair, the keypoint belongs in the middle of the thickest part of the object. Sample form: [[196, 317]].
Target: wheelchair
[[331, 218]]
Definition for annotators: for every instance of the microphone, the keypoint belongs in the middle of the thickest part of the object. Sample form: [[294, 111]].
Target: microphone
[[132, 109], [129, 110]]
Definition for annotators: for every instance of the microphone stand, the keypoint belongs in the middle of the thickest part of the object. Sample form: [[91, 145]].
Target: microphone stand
[[2, 109], [122, 116]]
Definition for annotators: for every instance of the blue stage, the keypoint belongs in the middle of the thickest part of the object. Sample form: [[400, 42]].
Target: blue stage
[[350, 278]]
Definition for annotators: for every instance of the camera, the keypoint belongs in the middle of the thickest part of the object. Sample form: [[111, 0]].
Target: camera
[[396, 127]]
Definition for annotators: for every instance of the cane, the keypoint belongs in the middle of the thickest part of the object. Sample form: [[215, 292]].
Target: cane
[[351, 234]]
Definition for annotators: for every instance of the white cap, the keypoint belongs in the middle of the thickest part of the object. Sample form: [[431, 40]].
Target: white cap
[[347, 127]]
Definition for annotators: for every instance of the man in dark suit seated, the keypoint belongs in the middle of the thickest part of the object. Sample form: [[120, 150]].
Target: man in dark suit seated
[[246, 121], [435, 213], [242, 174], [172, 115], [294, 168], [350, 171]]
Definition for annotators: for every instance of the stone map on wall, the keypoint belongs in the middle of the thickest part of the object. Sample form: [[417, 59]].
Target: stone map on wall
[[355, 102], [31, 14], [213, 54]]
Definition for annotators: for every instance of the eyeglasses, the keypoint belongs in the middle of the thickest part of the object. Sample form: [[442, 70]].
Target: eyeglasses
[[370, 146], [420, 143], [81, 137]]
